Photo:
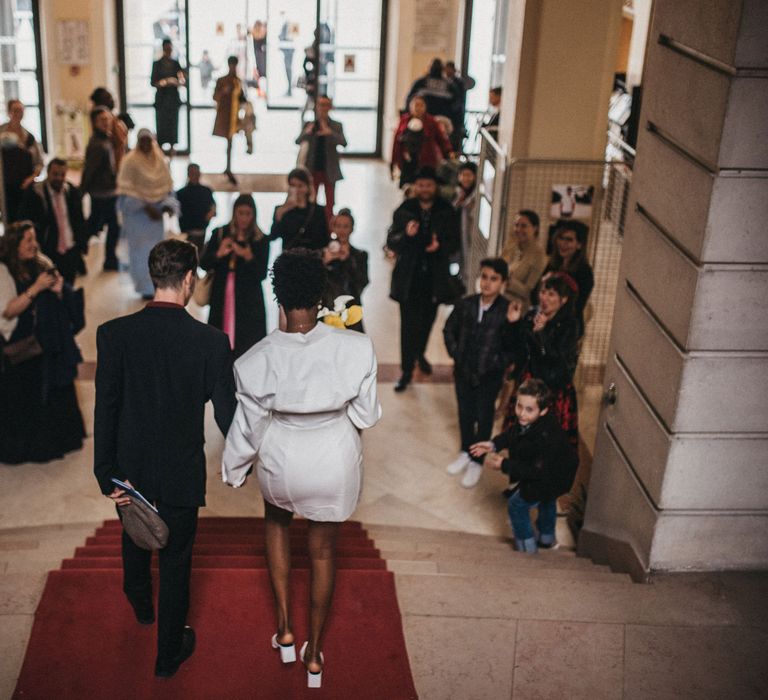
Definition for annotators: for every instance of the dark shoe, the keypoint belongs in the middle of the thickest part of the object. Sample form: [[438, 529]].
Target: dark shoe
[[166, 670], [144, 611], [110, 265], [402, 383], [424, 365]]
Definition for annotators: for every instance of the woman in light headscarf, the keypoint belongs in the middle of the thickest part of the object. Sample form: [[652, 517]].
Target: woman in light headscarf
[[145, 190]]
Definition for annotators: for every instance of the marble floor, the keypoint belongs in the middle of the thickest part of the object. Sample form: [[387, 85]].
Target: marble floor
[[406, 487], [480, 620]]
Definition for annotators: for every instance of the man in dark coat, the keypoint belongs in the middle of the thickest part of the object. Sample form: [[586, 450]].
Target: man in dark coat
[[55, 207], [424, 234], [156, 370]]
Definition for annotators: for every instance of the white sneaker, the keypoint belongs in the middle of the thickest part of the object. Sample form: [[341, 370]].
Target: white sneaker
[[472, 475], [459, 464]]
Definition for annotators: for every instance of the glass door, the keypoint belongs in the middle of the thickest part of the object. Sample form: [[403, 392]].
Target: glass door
[[350, 36], [143, 25], [276, 42], [20, 76]]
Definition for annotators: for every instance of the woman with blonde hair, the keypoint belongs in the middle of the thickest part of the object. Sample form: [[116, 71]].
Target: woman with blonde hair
[[145, 193], [237, 254]]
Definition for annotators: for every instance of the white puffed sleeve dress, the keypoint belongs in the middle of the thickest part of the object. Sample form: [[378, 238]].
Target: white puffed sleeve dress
[[302, 399]]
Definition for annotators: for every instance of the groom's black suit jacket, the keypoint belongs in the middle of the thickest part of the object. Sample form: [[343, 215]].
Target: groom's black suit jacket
[[156, 370]]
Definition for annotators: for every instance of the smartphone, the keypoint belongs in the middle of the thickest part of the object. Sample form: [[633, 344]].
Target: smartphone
[[334, 246], [239, 244]]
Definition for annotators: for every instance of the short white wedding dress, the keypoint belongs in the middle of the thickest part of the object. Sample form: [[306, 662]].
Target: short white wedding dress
[[302, 399]]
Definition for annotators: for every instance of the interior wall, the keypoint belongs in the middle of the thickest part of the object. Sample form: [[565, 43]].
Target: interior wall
[[573, 76], [63, 83], [406, 61]]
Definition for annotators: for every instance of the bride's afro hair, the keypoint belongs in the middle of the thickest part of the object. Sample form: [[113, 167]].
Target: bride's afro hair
[[299, 279]]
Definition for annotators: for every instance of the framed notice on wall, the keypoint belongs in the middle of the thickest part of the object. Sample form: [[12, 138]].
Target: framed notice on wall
[[74, 44], [433, 25]]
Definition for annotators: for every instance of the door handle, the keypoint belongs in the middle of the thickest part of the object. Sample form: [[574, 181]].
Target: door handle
[[611, 395]]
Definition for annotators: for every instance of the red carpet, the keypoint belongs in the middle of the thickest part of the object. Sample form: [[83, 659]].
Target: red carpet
[[85, 642]]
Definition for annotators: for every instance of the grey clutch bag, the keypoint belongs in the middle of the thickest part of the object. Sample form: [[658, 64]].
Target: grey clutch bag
[[141, 521], [143, 524]]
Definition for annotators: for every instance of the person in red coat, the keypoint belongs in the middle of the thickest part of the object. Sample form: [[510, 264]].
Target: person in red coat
[[419, 141]]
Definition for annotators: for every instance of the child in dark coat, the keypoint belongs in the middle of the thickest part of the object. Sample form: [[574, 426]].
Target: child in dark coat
[[540, 458], [474, 336]]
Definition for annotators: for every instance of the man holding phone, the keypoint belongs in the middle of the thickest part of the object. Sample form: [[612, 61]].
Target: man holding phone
[[156, 370]]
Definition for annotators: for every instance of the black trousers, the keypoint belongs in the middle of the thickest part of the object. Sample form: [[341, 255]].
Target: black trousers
[[104, 211], [416, 318], [175, 570], [476, 408]]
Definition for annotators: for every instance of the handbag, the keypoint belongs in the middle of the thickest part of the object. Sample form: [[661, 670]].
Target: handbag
[[22, 350], [203, 288], [143, 524]]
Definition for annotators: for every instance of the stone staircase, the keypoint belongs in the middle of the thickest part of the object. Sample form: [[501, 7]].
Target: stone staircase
[[483, 621]]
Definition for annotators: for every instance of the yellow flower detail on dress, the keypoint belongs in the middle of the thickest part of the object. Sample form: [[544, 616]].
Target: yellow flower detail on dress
[[333, 320], [342, 316]]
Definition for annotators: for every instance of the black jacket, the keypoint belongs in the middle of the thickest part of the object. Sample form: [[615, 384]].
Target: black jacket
[[156, 370], [99, 176], [38, 208], [348, 277], [550, 354], [301, 228], [477, 348], [585, 281], [541, 459], [250, 315], [412, 260]]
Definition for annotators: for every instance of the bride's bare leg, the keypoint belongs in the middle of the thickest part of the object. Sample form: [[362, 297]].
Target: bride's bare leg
[[322, 546], [279, 564]]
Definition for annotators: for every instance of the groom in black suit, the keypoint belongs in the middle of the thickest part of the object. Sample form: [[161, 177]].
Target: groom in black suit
[[156, 370]]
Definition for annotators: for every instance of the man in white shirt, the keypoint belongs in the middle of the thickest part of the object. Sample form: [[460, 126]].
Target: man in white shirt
[[55, 207]]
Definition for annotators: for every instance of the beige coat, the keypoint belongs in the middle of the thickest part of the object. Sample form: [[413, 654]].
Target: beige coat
[[525, 269]]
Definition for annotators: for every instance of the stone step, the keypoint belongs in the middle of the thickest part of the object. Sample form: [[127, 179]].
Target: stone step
[[419, 551], [512, 597], [518, 568]]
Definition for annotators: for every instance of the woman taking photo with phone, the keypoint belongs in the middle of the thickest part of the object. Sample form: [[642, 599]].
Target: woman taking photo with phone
[[237, 255], [40, 419], [299, 222]]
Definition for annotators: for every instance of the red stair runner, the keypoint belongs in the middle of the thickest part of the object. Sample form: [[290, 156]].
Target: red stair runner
[[86, 643]]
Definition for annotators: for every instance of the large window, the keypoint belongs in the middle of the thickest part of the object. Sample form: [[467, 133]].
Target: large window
[[20, 75], [275, 42]]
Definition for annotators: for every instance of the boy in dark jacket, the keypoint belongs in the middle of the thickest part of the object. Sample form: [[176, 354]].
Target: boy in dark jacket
[[473, 337], [540, 458]]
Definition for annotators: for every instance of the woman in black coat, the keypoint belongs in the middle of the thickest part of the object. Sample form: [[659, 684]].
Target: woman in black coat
[[546, 344], [238, 254], [40, 419], [570, 255]]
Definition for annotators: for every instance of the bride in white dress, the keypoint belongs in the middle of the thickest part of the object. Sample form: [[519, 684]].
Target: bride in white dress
[[304, 394]]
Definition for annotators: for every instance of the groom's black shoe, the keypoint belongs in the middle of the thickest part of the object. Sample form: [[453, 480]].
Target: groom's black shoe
[[166, 669]]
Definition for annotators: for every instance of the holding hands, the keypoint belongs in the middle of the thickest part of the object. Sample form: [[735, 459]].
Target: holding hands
[[434, 244]]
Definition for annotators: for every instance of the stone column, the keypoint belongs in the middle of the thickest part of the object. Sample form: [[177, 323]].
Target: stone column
[[680, 475]]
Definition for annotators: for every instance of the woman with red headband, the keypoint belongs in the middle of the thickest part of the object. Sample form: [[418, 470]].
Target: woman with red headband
[[547, 342]]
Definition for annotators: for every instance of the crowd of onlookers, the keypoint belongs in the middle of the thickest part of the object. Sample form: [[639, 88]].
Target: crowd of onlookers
[[515, 342]]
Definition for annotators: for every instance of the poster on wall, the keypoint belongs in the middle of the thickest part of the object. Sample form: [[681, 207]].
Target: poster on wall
[[74, 47], [433, 25], [569, 202], [572, 202]]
